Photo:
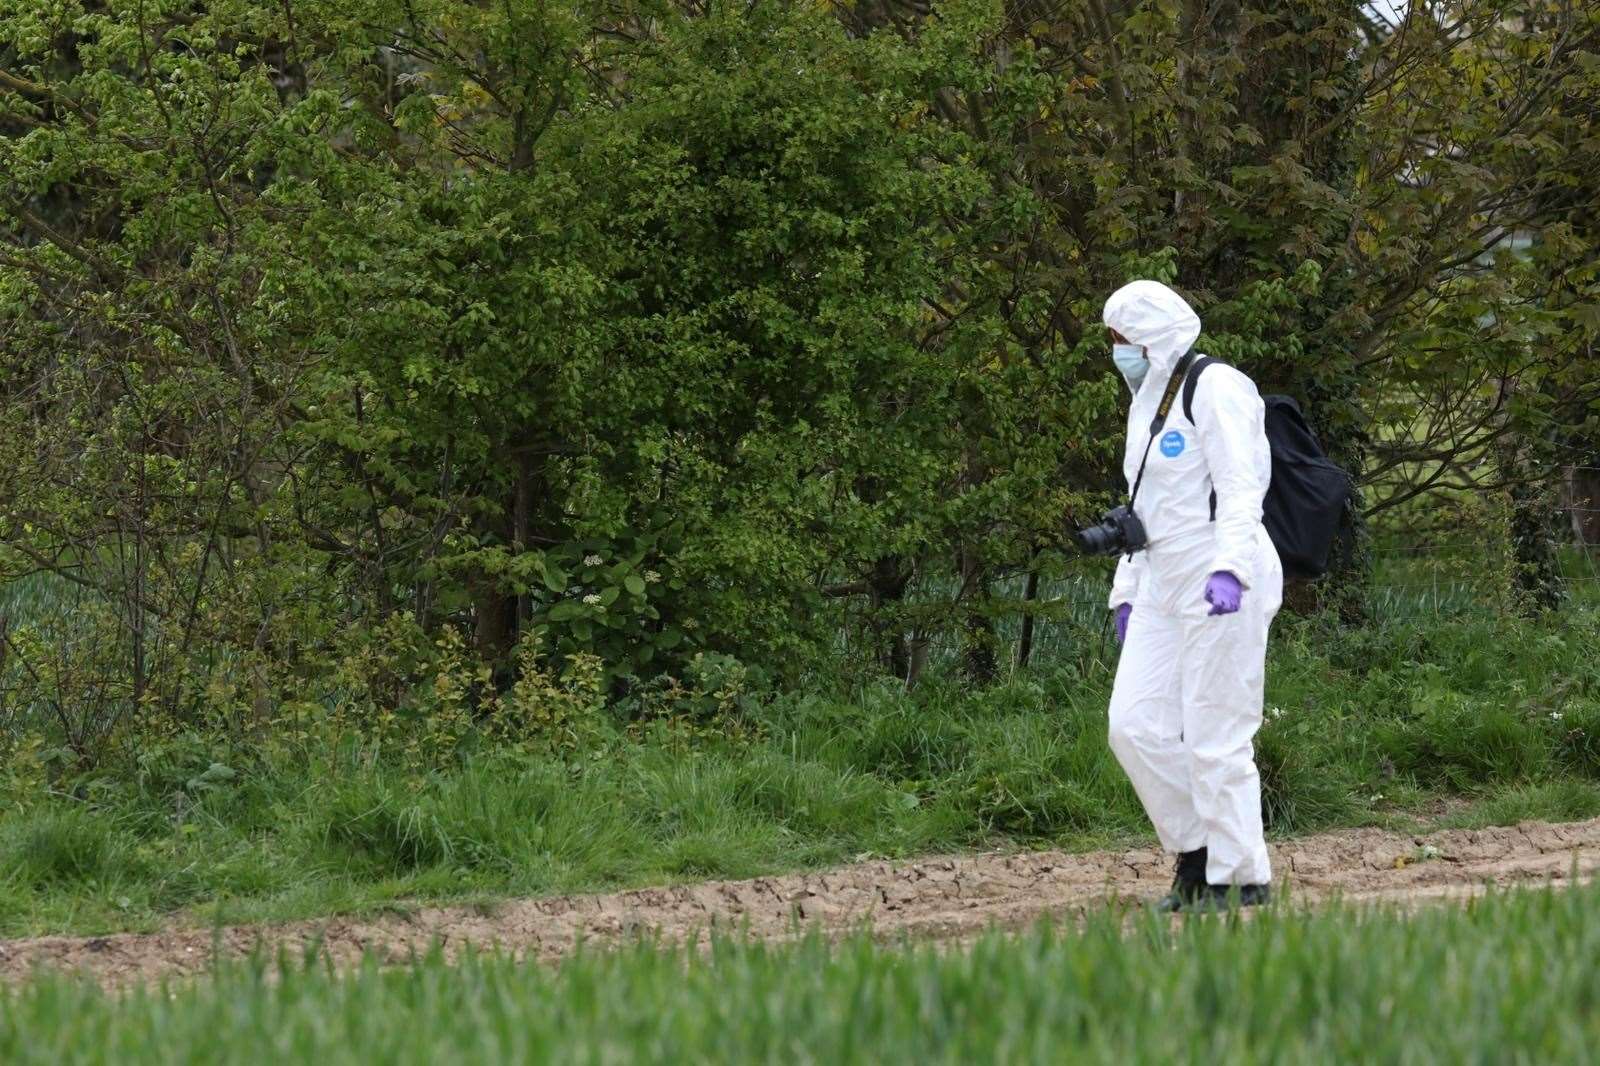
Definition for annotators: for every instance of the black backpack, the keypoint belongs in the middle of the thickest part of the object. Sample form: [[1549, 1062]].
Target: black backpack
[[1309, 493]]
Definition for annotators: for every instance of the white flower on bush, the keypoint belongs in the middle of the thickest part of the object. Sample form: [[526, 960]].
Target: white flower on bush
[[593, 599], [651, 576], [592, 560]]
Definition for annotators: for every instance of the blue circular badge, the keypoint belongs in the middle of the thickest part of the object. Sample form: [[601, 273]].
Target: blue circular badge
[[1172, 444]]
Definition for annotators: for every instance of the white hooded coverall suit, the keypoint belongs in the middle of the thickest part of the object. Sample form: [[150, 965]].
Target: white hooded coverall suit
[[1187, 700]]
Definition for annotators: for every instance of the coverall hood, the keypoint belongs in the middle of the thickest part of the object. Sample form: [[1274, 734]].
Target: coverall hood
[[1150, 314]]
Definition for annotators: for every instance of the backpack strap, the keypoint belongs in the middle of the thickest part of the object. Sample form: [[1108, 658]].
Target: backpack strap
[[1189, 383], [1188, 406]]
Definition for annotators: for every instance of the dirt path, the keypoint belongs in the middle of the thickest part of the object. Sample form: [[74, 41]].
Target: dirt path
[[941, 898]]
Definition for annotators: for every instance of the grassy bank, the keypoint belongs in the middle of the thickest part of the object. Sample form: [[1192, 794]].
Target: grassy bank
[[1500, 719], [1507, 978]]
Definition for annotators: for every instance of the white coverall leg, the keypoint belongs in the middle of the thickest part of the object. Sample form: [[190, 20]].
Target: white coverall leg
[[1187, 700], [1184, 712]]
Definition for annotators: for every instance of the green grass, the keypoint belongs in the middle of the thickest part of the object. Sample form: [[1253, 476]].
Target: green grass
[[1492, 721], [1508, 978]]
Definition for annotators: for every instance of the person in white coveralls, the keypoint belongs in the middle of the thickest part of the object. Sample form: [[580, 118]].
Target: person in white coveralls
[[1192, 609]]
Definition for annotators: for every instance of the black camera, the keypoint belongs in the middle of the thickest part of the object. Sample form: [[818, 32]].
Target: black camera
[[1119, 531]]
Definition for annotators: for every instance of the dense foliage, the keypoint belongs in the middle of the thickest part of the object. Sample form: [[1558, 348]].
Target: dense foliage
[[364, 362]]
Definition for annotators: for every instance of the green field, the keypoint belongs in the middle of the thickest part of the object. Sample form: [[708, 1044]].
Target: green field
[[1509, 978]]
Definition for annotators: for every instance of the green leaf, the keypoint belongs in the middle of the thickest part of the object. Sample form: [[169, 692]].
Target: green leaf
[[634, 584], [565, 611], [216, 774]]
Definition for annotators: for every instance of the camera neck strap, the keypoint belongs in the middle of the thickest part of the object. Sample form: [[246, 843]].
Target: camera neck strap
[[1174, 382]]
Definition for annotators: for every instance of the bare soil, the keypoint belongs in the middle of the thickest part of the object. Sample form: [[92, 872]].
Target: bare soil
[[940, 898]]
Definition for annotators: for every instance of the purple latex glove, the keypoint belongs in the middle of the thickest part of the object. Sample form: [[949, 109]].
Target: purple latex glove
[[1223, 592], [1120, 621]]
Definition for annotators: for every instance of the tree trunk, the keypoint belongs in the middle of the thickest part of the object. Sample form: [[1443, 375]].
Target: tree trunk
[[495, 620], [979, 660], [888, 582], [1030, 594], [1581, 497], [1536, 581]]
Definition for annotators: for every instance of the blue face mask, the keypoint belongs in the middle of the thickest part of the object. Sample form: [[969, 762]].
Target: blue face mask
[[1130, 359]]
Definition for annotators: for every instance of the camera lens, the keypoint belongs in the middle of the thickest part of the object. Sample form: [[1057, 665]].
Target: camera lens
[[1098, 540]]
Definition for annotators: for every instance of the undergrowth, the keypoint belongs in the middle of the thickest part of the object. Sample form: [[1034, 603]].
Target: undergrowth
[[1485, 719]]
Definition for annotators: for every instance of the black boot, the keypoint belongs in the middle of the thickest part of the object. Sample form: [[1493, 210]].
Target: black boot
[[1190, 883], [1218, 898]]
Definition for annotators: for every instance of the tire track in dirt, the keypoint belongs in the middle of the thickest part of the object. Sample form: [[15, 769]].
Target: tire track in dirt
[[944, 898]]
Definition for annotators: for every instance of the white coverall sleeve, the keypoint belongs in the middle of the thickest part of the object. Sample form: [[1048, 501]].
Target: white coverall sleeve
[[1233, 435], [1125, 586]]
